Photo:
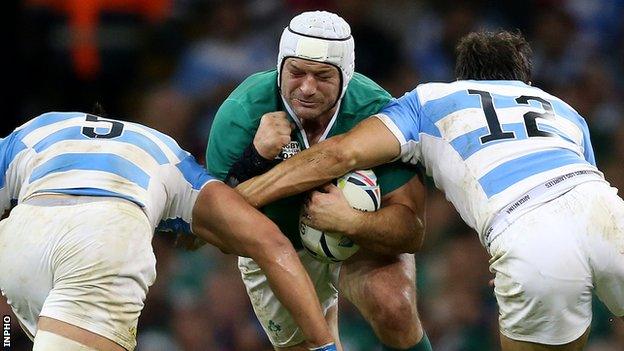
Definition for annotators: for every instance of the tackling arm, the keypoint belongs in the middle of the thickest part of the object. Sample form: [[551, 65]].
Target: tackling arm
[[397, 227], [220, 212], [369, 144]]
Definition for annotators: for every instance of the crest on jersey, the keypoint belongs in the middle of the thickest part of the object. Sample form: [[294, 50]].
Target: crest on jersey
[[290, 150]]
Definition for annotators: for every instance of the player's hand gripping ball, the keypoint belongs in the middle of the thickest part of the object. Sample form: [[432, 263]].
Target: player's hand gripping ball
[[362, 192]]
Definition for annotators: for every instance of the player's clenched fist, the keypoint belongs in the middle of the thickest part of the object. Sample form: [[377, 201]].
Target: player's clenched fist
[[329, 210], [273, 134]]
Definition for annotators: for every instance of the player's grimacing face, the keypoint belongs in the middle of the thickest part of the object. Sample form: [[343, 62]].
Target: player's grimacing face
[[311, 88]]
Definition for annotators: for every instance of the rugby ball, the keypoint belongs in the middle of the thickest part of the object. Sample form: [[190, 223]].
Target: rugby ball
[[362, 192]]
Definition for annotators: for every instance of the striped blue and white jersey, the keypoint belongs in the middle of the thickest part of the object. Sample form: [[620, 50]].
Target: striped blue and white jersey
[[486, 143], [81, 154]]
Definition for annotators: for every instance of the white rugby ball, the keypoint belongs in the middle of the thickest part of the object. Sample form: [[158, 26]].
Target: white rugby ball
[[362, 192]]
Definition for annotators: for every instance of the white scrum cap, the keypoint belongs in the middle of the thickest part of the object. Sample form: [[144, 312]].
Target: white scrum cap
[[319, 36]]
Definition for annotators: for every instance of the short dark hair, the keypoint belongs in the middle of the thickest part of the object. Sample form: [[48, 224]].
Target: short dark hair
[[500, 55]]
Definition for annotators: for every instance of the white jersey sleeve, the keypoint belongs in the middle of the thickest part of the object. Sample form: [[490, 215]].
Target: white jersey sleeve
[[184, 181], [402, 116]]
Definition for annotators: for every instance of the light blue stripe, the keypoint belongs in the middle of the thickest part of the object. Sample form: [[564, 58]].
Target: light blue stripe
[[406, 114], [563, 110], [195, 174], [504, 101], [47, 119], [93, 192], [429, 128], [439, 108], [468, 144], [70, 133], [9, 148], [551, 129], [509, 173], [128, 136], [167, 140], [110, 163]]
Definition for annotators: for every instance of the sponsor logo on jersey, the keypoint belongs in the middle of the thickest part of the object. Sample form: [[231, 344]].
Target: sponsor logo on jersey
[[290, 150]]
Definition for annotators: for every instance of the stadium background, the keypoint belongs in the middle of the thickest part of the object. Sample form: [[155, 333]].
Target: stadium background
[[169, 63]]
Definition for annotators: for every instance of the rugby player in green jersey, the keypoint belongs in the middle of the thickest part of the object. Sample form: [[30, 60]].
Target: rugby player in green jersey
[[315, 94]]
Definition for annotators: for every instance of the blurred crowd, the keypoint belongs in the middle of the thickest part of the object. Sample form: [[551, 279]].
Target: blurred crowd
[[169, 64]]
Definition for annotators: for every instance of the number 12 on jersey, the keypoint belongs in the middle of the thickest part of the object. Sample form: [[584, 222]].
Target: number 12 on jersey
[[494, 126]]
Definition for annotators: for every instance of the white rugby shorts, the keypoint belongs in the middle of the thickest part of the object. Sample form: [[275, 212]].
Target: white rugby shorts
[[87, 264], [278, 325], [550, 259]]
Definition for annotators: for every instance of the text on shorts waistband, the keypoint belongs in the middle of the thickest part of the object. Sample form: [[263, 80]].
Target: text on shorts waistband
[[508, 214]]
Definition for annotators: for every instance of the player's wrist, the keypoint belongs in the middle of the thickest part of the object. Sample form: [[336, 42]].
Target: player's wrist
[[260, 155], [351, 226], [266, 153], [249, 165], [327, 347]]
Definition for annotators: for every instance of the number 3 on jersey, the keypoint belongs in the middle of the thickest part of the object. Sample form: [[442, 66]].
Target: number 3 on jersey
[[115, 128], [494, 126]]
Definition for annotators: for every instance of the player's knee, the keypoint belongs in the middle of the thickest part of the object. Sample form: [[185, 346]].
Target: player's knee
[[47, 341], [394, 313]]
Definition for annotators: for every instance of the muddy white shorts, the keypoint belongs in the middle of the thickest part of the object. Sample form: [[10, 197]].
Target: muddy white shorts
[[549, 260], [88, 264], [275, 319]]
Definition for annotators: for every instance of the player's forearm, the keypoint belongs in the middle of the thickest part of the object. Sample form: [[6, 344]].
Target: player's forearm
[[390, 230], [369, 144], [293, 287], [306, 170]]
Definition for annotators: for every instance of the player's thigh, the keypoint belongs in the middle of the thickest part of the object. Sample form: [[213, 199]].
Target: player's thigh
[[275, 319], [26, 246], [65, 336], [89, 265], [103, 269], [508, 344], [368, 279], [543, 281], [605, 243]]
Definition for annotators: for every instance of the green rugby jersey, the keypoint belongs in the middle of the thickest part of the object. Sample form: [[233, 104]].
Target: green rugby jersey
[[238, 118]]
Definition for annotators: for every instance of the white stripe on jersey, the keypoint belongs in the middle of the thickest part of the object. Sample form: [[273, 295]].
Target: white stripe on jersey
[[472, 120]]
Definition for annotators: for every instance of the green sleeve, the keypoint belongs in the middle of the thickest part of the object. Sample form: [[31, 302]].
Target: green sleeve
[[394, 175], [232, 131]]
